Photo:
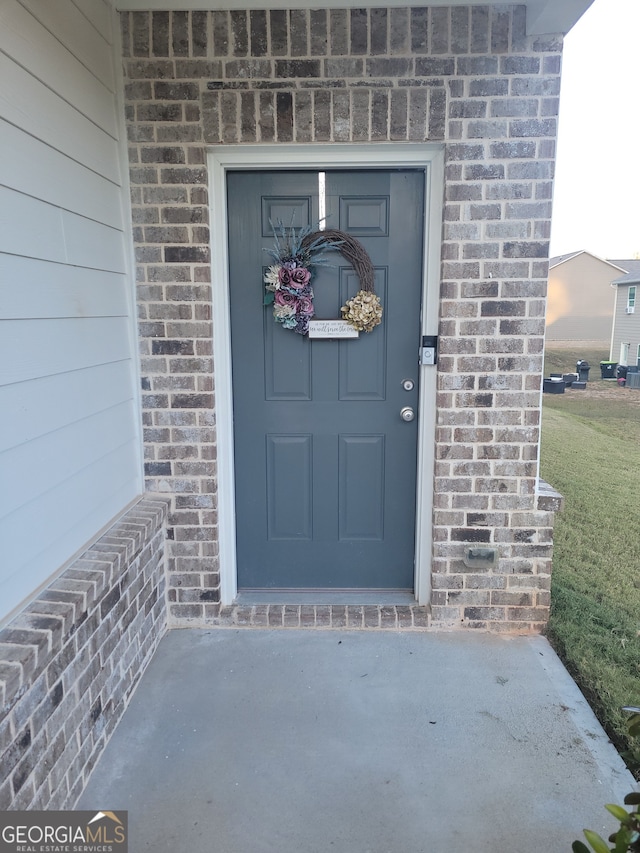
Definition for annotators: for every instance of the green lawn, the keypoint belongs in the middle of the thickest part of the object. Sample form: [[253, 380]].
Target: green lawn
[[564, 360], [591, 454]]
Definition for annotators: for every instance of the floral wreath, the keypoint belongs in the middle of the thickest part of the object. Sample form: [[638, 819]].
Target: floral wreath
[[288, 280]]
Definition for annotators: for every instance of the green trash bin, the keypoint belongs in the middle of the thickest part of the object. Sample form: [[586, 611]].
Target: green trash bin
[[608, 369]]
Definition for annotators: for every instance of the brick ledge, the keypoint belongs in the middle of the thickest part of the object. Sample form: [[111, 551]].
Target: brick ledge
[[548, 499]]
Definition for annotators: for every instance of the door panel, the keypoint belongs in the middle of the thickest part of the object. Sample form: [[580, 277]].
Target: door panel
[[287, 364], [365, 217], [296, 209], [362, 374], [361, 499], [325, 467], [289, 479]]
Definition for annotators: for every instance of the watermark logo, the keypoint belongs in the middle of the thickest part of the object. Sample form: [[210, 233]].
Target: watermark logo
[[64, 832]]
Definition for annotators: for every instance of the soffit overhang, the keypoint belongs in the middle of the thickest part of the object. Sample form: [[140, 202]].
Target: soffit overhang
[[543, 16]]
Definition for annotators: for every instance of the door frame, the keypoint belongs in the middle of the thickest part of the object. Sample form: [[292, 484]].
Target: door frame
[[428, 157]]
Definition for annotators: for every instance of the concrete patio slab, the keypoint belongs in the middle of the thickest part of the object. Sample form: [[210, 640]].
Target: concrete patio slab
[[293, 741]]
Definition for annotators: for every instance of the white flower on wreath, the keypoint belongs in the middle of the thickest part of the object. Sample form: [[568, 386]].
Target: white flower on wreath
[[282, 311], [272, 277]]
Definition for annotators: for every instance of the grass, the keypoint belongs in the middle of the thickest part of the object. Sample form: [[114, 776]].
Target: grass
[[591, 454], [564, 360]]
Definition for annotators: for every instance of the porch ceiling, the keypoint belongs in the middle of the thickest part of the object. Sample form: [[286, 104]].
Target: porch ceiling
[[543, 16]]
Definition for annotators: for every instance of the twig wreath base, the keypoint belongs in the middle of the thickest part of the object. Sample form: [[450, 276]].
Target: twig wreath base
[[288, 280]]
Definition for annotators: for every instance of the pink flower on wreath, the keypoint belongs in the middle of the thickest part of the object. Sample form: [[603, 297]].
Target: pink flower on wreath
[[299, 277], [305, 306], [284, 274], [284, 298]]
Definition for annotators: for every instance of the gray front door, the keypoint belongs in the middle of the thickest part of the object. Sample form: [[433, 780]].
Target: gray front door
[[325, 466]]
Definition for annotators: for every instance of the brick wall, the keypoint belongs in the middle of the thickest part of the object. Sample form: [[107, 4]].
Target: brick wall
[[70, 662], [467, 77]]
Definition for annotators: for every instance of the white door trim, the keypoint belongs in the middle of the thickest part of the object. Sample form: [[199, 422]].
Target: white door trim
[[427, 156]]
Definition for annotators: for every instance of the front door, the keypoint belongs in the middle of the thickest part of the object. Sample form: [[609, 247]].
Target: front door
[[325, 465]]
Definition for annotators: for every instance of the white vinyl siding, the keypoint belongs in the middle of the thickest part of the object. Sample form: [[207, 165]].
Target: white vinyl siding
[[69, 435], [626, 322]]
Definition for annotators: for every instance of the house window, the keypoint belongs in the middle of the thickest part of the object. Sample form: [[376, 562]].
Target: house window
[[631, 299]]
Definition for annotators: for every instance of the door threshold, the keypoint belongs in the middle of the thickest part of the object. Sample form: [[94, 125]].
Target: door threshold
[[325, 596]]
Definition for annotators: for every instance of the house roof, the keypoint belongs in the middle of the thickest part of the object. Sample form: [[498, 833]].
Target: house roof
[[561, 259], [543, 16], [632, 275]]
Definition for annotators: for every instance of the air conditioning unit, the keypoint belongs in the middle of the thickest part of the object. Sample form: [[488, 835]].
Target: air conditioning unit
[[630, 309]]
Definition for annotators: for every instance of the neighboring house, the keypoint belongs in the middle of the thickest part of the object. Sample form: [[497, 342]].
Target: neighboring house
[[136, 354], [625, 333], [580, 299]]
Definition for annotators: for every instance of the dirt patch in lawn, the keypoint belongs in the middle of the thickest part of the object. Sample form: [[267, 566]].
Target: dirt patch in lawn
[[609, 390]]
